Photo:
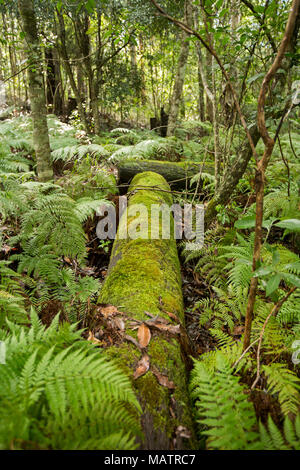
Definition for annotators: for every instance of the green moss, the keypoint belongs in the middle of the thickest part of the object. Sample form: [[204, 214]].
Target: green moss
[[144, 275], [187, 165]]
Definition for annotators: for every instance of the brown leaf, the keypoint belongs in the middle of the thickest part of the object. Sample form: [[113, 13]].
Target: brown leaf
[[163, 379], [6, 248], [142, 367], [93, 339], [238, 330], [144, 335], [107, 310], [173, 316], [119, 324]]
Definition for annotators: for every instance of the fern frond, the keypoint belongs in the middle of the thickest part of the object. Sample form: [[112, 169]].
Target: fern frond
[[61, 396], [223, 408]]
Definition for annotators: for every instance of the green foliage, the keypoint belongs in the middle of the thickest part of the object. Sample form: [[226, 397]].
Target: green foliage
[[11, 298], [240, 268], [286, 384], [88, 179], [79, 151], [273, 439], [44, 229], [151, 149], [58, 392], [225, 310], [222, 407]]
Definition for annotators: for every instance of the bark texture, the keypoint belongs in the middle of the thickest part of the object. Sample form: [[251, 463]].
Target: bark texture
[[36, 91], [177, 174], [144, 277]]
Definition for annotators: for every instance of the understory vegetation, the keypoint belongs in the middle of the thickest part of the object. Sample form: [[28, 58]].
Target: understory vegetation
[[61, 387], [47, 273]]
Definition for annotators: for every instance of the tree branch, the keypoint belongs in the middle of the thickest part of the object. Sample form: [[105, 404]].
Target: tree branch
[[207, 46], [262, 23]]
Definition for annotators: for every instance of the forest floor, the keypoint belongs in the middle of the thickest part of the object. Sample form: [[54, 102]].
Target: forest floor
[[51, 262]]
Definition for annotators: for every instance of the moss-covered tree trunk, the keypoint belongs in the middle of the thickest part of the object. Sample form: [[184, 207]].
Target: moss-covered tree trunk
[[144, 282], [176, 174], [36, 91]]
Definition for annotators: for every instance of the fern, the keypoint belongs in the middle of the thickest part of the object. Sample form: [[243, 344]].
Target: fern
[[240, 268], [286, 384], [224, 310], [272, 438], [57, 392], [12, 298], [151, 149], [78, 152], [222, 407]]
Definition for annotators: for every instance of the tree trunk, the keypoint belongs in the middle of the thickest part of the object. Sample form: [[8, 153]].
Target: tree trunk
[[36, 91], [180, 73], [64, 54], [144, 282], [235, 172], [231, 178], [53, 82], [175, 173]]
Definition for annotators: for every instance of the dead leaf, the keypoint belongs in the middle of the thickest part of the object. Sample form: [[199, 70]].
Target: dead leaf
[[238, 330], [119, 324], [107, 310], [144, 335], [93, 339], [173, 316], [163, 379], [6, 248], [142, 367]]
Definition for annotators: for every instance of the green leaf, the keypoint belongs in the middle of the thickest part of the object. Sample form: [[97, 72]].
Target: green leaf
[[291, 224], [246, 222], [59, 6], [262, 271], [295, 280], [249, 222], [272, 284], [223, 12], [90, 5], [255, 77]]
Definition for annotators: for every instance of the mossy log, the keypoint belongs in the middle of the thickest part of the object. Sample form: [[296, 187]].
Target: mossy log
[[174, 173], [144, 280]]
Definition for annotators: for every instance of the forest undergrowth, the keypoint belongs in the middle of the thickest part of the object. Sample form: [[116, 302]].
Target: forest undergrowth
[[52, 265]]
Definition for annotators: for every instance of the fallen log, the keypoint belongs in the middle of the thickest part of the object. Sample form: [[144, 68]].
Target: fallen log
[[176, 174], [144, 284]]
